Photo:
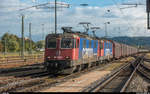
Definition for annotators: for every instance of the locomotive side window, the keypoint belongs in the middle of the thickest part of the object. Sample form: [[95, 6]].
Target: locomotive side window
[[51, 43], [67, 43]]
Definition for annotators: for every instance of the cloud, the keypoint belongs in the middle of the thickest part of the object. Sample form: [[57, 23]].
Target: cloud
[[131, 23]]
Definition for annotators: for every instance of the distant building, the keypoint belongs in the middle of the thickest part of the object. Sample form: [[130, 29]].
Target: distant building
[[26, 38], [42, 49]]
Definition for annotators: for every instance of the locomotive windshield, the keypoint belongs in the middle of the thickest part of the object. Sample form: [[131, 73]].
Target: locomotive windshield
[[67, 43], [51, 43]]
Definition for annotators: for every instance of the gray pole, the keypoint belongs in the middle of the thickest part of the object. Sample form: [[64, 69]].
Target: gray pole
[[22, 50], [30, 44], [105, 30], [55, 16], [5, 46], [43, 32]]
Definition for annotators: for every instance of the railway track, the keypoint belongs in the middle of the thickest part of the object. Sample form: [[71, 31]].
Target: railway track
[[20, 69], [117, 81], [144, 70], [41, 80]]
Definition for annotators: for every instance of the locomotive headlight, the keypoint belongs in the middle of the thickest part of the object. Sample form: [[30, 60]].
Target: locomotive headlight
[[54, 56], [48, 57], [67, 57]]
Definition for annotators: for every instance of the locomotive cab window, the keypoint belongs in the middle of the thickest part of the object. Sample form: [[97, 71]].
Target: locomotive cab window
[[51, 43], [67, 43]]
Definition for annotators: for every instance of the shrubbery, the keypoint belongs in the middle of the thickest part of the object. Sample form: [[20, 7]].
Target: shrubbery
[[12, 43]]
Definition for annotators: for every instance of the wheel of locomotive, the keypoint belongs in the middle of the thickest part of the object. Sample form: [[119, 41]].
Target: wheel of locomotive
[[51, 71], [82, 67], [76, 69], [97, 63], [89, 65], [86, 66], [79, 68], [94, 63]]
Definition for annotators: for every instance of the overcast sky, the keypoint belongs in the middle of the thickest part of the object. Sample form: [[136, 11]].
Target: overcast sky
[[123, 22]]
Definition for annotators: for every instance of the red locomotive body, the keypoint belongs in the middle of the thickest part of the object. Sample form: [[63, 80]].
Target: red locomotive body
[[61, 49]]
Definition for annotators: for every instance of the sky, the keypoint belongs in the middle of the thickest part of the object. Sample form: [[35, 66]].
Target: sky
[[123, 22]]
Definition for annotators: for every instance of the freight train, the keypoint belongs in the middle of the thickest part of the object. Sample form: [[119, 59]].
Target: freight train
[[73, 51]]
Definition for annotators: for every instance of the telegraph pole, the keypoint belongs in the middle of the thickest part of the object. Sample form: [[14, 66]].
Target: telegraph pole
[[55, 16], [5, 46], [30, 44], [148, 12], [22, 48], [106, 29], [43, 37]]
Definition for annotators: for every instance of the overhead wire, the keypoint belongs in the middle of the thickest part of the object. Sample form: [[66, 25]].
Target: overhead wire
[[130, 25]]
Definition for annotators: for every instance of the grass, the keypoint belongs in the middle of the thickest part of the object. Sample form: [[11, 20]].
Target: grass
[[118, 64]]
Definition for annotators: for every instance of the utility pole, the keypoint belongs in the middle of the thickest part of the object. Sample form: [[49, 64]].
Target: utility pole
[[55, 16], [106, 29], [30, 44], [5, 40], [43, 37], [22, 48], [148, 12], [5, 46]]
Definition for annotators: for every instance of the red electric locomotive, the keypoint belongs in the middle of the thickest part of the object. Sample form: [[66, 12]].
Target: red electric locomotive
[[60, 51], [73, 51]]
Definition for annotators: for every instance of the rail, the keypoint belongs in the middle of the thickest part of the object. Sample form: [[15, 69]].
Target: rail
[[125, 73]]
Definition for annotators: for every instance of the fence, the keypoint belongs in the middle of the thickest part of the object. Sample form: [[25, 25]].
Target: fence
[[16, 57]]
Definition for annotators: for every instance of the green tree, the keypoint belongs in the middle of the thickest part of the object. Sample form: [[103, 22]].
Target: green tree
[[13, 46], [10, 42], [40, 44]]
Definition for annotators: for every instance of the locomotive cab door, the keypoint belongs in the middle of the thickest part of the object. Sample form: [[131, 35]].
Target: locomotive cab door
[[76, 49]]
